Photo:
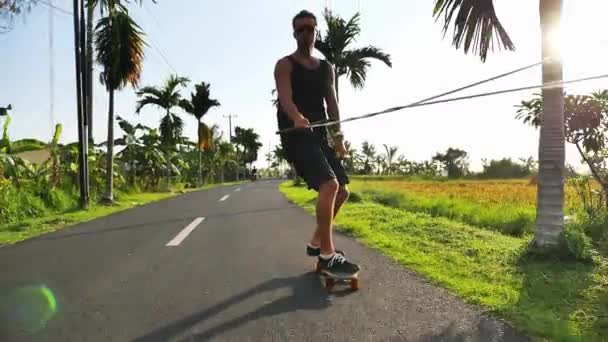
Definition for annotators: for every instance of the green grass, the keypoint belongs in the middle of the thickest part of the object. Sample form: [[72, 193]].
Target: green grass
[[561, 301], [12, 233], [508, 219]]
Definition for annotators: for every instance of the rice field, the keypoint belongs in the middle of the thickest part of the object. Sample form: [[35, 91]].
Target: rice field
[[519, 192], [507, 206]]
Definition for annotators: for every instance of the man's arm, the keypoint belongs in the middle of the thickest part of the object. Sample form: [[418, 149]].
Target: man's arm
[[282, 77], [332, 104]]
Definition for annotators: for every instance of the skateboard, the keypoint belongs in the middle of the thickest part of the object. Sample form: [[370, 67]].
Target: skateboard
[[329, 281]]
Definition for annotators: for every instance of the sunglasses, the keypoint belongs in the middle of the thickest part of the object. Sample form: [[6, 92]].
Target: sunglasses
[[308, 29]]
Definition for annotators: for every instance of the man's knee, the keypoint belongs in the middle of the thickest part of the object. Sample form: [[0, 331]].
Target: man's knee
[[330, 186], [343, 192]]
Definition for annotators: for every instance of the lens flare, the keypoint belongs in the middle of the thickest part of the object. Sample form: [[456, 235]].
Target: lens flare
[[28, 309]]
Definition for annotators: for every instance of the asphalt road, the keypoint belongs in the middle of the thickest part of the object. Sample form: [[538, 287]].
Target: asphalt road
[[224, 264]]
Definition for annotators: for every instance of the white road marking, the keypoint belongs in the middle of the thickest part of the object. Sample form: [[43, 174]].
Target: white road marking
[[185, 232], [224, 198], [237, 189]]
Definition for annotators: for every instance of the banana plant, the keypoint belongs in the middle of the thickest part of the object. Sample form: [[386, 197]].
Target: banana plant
[[131, 143], [5, 143], [54, 161]]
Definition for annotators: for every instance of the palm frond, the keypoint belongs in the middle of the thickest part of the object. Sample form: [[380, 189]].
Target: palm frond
[[530, 112], [357, 71], [175, 81], [186, 106], [148, 90], [356, 63], [119, 47], [334, 47], [323, 45], [148, 100], [340, 34], [171, 128], [372, 52], [106, 5], [351, 29], [476, 25], [205, 137], [200, 101]]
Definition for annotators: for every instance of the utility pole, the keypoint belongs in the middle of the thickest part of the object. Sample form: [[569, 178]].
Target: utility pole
[[79, 44], [230, 116], [51, 71]]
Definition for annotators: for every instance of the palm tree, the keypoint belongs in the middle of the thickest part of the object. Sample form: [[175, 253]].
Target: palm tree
[[171, 125], [104, 5], [224, 157], [249, 140], [119, 47], [389, 157], [369, 155], [475, 24], [335, 47], [353, 159], [198, 106]]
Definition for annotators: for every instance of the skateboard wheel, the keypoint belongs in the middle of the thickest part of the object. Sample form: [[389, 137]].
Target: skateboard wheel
[[354, 284]]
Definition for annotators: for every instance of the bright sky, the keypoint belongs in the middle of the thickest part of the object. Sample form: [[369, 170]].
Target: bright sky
[[234, 46]]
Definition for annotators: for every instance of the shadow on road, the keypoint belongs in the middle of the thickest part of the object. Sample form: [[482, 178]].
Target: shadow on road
[[486, 330], [303, 297]]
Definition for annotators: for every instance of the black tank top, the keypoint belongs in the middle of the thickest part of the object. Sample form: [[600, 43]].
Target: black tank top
[[309, 87]]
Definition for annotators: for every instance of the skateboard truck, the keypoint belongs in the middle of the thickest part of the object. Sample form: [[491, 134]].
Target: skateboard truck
[[329, 281]]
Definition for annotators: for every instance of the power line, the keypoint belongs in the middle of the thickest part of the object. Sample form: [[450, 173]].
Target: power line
[[161, 54], [57, 8], [158, 50], [550, 85], [165, 59], [318, 123]]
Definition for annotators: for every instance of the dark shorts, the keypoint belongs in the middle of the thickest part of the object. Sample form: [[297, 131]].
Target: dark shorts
[[316, 162]]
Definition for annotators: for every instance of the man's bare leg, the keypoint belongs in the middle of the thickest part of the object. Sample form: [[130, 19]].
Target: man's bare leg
[[341, 198], [325, 213]]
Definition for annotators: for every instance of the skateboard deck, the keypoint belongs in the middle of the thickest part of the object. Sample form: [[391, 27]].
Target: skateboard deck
[[329, 281]]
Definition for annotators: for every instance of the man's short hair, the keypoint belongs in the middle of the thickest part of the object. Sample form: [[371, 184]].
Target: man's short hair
[[303, 14]]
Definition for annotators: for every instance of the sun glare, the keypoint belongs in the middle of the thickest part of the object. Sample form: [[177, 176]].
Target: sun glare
[[582, 40]]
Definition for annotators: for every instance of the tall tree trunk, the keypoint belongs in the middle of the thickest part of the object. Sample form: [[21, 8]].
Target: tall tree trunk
[[89, 70], [133, 170], [110, 152], [337, 91], [550, 207], [200, 168], [168, 156]]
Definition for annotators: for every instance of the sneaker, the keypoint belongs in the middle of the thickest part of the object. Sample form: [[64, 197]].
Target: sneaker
[[316, 251], [338, 266]]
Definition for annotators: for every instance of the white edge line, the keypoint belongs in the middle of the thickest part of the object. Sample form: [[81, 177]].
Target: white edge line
[[224, 198], [185, 232], [237, 189]]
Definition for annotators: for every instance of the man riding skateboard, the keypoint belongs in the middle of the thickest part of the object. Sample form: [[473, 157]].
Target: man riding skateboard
[[304, 83]]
